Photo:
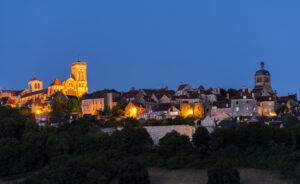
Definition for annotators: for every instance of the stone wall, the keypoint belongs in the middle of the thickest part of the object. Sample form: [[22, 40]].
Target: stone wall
[[158, 132]]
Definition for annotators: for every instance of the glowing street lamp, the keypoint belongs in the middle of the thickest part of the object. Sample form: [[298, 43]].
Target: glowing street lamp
[[38, 112]]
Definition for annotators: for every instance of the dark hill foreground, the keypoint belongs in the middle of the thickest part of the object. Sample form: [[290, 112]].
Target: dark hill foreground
[[248, 176]]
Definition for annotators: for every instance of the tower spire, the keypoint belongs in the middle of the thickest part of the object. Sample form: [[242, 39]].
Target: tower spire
[[262, 65]]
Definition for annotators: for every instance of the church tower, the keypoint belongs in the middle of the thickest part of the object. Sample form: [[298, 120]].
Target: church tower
[[80, 76], [35, 85], [263, 80]]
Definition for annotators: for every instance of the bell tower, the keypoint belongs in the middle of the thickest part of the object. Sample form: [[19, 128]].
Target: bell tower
[[35, 85], [263, 80], [79, 74]]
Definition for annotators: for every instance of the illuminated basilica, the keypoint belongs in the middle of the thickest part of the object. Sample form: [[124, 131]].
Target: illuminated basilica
[[75, 85]]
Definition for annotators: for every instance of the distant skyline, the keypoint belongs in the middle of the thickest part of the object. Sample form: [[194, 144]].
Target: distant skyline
[[151, 44]]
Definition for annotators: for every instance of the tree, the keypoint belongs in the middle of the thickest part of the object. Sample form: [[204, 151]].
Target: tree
[[232, 92], [58, 108], [133, 171], [201, 137], [173, 143], [282, 109], [105, 111], [119, 109], [9, 155], [224, 173], [290, 121], [297, 175], [132, 140], [222, 95], [73, 105], [220, 98]]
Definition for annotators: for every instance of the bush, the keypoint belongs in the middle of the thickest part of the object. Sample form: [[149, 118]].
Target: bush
[[173, 143], [224, 173], [133, 172], [132, 140], [201, 137], [9, 156], [297, 175]]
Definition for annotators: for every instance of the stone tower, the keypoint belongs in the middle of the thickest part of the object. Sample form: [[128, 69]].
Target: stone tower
[[263, 80], [80, 76], [35, 85]]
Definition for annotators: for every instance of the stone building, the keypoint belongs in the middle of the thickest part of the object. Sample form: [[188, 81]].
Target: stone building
[[221, 110], [266, 105], [243, 104], [97, 101]]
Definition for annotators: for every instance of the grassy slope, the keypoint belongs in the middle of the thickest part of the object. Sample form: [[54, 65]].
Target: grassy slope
[[248, 176], [163, 176]]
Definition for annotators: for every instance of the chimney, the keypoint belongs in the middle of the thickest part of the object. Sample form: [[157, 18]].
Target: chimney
[[249, 89], [132, 89], [166, 88], [227, 96], [181, 83], [244, 89]]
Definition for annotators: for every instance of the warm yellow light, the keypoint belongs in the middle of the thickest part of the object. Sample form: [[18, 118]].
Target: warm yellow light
[[134, 110], [191, 112], [38, 111], [273, 114]]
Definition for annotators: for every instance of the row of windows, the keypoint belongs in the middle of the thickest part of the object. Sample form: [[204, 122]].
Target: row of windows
[[262, 79], [93, 108], [247, 108], [88, 102]]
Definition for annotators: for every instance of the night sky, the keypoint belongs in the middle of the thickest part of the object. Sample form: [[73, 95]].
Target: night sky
[[151, 43]]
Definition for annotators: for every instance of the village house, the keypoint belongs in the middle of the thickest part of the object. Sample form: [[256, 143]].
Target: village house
[[266, 104], [243, 104], [133, 110], [291, 101], [221, 110], [183, 89], [162, 111], [97, 101]]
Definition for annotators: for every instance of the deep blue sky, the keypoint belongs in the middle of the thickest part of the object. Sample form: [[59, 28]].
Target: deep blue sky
[[151, 44]]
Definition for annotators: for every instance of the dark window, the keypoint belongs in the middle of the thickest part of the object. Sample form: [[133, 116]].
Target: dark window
[[237, 102]]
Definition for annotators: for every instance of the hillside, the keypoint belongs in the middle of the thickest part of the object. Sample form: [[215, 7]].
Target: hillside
[[248, 176]]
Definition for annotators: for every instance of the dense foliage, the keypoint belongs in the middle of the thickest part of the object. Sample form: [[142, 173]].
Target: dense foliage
[[224, 173], [81, 152], [133, 171]]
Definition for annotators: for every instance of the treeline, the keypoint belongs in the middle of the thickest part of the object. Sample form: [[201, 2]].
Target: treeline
[[113, 123], [81, 153]]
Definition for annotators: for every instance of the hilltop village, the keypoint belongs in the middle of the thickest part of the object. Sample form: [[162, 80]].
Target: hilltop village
[[214, 106]]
